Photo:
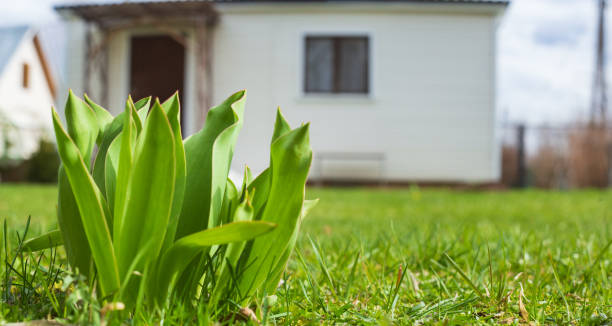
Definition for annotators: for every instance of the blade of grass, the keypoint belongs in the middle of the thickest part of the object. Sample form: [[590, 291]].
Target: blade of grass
[[465, 277]]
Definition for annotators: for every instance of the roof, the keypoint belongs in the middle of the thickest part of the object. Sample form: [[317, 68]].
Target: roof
[[503, 2], [116, 13], [109, 14], [117, 2], [90, 4], [10, 38]]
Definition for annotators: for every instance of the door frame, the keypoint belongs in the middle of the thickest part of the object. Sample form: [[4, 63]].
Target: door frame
[[188, 98]]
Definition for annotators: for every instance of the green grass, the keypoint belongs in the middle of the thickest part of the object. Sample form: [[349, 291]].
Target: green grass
[[405, 256], [18, 201]]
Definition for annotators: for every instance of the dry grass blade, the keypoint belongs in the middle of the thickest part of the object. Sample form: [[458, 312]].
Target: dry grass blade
[[522, 309]]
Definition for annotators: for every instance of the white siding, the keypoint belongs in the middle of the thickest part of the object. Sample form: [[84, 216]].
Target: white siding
[[431, 104], [29, 109]]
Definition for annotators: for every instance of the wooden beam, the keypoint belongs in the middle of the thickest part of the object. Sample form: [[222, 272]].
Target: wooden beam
[[104, 82], [203, 71], [87, 62], [45, 66]]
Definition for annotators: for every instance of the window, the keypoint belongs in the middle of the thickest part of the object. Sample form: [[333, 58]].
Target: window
[[25, 78], [336, 64]]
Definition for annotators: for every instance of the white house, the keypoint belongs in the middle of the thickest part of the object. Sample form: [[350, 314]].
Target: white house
[[27, 92], [399, 90]]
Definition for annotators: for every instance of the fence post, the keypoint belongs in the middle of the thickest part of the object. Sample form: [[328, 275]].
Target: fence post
[[521, 165]]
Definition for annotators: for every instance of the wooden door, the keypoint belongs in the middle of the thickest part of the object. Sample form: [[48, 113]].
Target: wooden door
[[157, 67]]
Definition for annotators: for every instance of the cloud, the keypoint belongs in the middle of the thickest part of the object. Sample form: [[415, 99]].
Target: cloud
[[560, 32], [545, 60], [31, 12]]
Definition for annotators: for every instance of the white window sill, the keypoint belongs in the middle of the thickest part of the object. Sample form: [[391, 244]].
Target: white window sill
[[336, 98]]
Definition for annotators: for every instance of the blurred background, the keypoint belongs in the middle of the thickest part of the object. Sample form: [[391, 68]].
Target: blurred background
[[484, 93]]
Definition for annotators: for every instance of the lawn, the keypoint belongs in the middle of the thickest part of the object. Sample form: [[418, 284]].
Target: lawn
[[406, 256]]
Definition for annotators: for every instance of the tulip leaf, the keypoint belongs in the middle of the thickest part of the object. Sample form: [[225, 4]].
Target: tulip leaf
[[122, 167], [208, 165], [71, 225], [151, 184], [45, 241], [277, 271], [173, 110], [82, 126], [290, 160], [92, 208], [103, 117]]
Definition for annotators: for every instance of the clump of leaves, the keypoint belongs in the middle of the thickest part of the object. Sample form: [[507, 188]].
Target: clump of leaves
[[155, 218]]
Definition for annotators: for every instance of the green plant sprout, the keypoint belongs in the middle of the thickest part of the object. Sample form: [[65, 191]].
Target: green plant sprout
[[155, 218]]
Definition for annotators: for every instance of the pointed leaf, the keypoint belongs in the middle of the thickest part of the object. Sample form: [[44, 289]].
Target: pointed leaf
[[142, 107], [45, 241], [71, 226], [103, 117], [230, 201], [260, 187], [123, 168], [208, 157], [150, 189], [111, 165], [173, 110], [82, 126], [277, 271], [291, 157], [108, 135], [281, 126], [92, 208]]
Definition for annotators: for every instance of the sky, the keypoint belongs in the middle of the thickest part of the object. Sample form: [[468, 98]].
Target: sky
[[545, 55]]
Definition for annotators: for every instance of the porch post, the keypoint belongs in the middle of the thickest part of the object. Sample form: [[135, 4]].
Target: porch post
[[203, 71], [103, 66], [87, 69]]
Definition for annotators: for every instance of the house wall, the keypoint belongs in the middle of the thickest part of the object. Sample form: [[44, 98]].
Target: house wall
[[431, 106], [28, 109]]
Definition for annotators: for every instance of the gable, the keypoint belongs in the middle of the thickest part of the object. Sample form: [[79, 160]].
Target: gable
[[10, 38]]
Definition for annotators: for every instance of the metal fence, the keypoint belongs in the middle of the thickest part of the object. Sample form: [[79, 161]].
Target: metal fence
[[573, 156]]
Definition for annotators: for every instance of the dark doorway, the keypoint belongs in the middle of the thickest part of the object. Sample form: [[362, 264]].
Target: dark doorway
[[157, 67]]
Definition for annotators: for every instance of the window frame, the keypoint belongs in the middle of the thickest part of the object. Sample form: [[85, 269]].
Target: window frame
[[25, 75], [336, 39]]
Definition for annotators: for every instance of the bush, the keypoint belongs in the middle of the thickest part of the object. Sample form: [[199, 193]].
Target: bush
[[588, 157], [44, 164], [509, 177], [548, 167], [42, 167]]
